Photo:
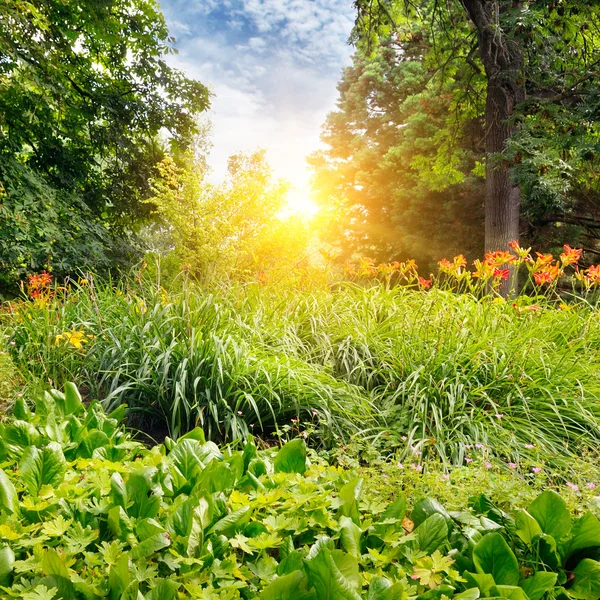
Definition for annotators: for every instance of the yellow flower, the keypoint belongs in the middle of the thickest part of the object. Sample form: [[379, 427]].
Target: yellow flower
[[74, 338]]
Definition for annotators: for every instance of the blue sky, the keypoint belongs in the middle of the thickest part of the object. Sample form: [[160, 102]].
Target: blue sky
[[273, 66]]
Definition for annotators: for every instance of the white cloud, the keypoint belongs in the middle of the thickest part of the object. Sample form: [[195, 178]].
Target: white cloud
[[273, 66]]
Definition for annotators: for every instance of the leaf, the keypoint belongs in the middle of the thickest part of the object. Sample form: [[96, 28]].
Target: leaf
[[527, 528], [425, 508], [396, 510], [431, 533], [349, 498], [42, 467], [7, 560], [289, 587], [165, 590], [348, 566], [470, 594], [538, 584], [493, 556], [73, 403], [551, 513], [350, 535], [231, 522], [511, 592], [587, 580], [291, 458], [152, 537], [481, 581], [585, 534], [327, 579], [9, 502], [381, 588]]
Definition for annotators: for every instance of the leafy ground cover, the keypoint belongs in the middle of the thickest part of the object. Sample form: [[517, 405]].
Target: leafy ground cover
[[87, 512]]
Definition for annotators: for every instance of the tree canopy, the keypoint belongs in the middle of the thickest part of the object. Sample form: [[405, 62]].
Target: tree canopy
[[85, 96]]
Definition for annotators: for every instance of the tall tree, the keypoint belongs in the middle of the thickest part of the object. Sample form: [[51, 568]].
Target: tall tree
[[85, 90], [405, 192], [531, 54]]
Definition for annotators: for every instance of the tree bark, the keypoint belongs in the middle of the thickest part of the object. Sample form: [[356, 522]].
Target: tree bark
[[502, 60]]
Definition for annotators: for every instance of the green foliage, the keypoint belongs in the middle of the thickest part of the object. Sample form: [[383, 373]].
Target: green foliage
[[404, 190], [125, 521], [232, 231], [420, 374], [84, 92]]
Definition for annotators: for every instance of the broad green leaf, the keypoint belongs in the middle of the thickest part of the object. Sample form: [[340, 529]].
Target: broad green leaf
[[396, 510], [381, 588], [431, 533], [9, 502], [551, 513], [143, 503], [42, 467], [481, 581], [350, 535], [231, 522], [291, 458], [425, 508], [493, 556], [119, 578], [586, 584], [585, 534], [348, 566], [118, 490], [538, 584], [511, 592], [349, 498], [165, 590], [7, 560], [527, 528], [289, 587], [470, 594], [73, 403], [327, 579]]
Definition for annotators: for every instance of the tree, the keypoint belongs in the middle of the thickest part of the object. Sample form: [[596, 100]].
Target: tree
[[406, 192], [232, 231], [84, 92], [531, 55]]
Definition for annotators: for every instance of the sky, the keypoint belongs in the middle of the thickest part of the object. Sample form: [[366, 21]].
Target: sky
[[272, 66]]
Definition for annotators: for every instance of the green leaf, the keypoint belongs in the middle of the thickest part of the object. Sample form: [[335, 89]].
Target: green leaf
[[165, 590], [586, 584], [9, 502], [425, 508], [73, 403], [551, 513], [527, 528], [350, 535], [538, 584], [231, 522], [327, 579], [493, 556], [7, 560], [348, 566], [481, 581], [431, 533], [381, 588], [396, 510], [511, 592], [585, 534], [289, 587], [470, 594], [291, 458], [349, 499], [42, 467]]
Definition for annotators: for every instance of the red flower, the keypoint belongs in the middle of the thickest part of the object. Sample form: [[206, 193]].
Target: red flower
[[570, 256], [426, 283], [501, 273]]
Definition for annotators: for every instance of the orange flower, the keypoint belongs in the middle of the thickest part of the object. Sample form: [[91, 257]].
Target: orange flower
[[570, 256], [547, 275], [483, 270], [522, 253], [366, 266], [501, 273], [349, 270], [592, 275], [425, 283], [499, 258], [533, 308]]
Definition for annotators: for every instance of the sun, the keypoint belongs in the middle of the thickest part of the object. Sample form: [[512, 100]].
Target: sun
[[300, 203]]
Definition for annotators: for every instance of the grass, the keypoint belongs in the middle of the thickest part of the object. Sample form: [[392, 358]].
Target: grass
[[418, 374]]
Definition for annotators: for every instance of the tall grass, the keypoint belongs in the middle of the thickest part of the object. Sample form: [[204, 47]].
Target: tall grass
[[418, 373]]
